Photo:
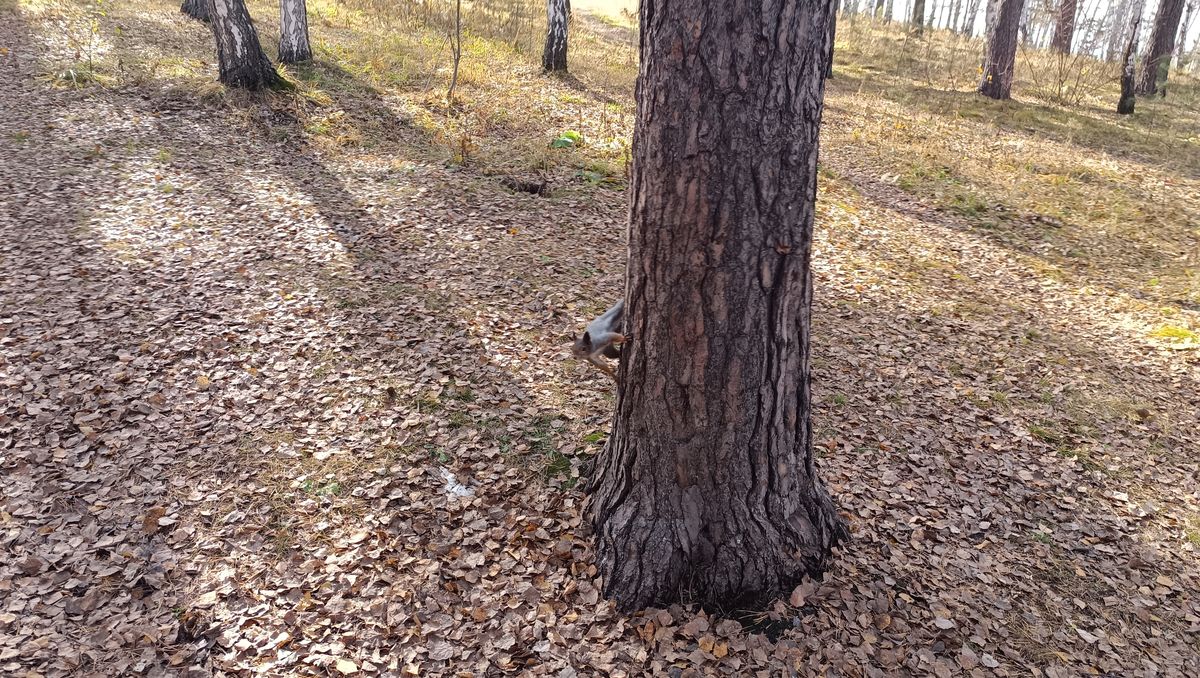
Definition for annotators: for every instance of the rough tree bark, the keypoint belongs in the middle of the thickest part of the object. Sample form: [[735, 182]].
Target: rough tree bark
[[708, 487], [1157, 61], [197, 9], [999, 62], [240, 58], [917, 19], [1128, 100], [1064, 27], [293, 32], [554, 56]]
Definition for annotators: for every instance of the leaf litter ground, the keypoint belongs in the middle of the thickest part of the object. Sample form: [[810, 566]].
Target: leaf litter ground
[[274, 409]]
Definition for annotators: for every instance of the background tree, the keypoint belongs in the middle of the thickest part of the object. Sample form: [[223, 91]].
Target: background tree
[[554, 56], [1157, 61], [830, 37], [1117, 27], [1128, 99], [999, 63], [1064, 27], [1184, 27], [197, 9], [917, 19], [708, 486], [968, 26], [240, 57], [293, 32]]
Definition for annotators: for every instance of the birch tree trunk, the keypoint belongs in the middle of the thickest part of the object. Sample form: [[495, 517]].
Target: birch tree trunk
[[293, 32], [969, 19], [554, 56], [708, 488], [1000, 62], [1157, 61], [240, 58], [1119, 24], [1064, 27], [1128, 100]]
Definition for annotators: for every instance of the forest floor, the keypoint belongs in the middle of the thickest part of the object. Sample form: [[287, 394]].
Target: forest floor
[[284, 385]]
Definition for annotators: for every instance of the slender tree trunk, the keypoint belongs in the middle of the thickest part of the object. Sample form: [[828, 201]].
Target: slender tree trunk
[[918, 16], [455, 53], [240, 57], [878, 10], [197, 9], [1117, 27], [954, 15], [887, 12], [1023, 26], [554, 56], [830, 37], [293, 32], [708, 488], [1184, 27], [969, 19], [1162, 44], [1128, 98], [1000, 62]]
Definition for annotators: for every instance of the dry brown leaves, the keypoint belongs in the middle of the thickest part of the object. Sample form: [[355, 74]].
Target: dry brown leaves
[[272, 411]]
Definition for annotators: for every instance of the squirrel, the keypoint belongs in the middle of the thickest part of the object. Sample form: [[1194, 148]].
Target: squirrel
[[602, 336]]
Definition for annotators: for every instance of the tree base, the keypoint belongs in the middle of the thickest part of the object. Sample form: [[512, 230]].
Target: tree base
[[554, 65], [294, 56], [251, 77]]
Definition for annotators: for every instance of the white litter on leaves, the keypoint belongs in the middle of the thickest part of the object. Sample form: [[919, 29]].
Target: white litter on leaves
[[454, 487]]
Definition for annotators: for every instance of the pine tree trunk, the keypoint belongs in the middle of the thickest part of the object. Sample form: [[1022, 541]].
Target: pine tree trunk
[[887, 12], [1064, 27], [1160, 47], [1000, 62], [293, 32], [955, 13], [554, 56], [708, 488], [240, 57], [197, 9], [918, 16], [1128, 99]]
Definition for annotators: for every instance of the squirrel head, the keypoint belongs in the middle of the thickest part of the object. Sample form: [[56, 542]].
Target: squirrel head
[[583, 345]]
